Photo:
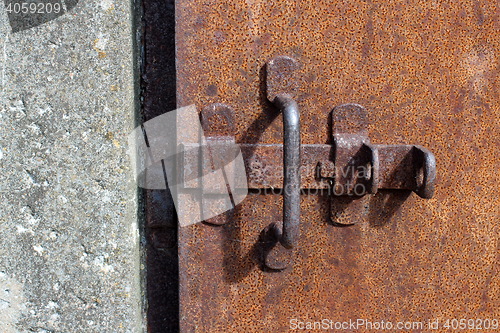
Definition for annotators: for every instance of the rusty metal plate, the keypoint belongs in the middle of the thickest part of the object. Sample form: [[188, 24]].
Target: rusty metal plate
[[427, 72]]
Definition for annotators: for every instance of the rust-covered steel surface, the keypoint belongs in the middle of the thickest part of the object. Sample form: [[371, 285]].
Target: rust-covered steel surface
[[428, 74]]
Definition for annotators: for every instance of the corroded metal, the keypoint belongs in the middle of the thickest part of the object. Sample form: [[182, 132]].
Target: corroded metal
[[428, 73], [288, 234], [281, 86], [219, 128], [281, 78], [334, 167], [399, 166], [362, 167]]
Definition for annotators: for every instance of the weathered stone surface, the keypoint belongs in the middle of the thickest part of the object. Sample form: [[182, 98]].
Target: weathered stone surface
[[69, 252]]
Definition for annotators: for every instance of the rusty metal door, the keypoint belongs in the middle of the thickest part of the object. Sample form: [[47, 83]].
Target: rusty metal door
[[427, 74]]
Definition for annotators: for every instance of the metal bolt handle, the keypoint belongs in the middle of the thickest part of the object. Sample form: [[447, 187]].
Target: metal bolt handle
[[291, 169], [281, 87]]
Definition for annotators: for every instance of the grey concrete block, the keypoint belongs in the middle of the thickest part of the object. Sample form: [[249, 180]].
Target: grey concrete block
[[69, 249]]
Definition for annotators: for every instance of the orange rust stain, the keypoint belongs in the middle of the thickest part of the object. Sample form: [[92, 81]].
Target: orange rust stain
[[427, 71]]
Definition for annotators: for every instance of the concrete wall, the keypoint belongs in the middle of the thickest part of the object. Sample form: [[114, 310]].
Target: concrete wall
[[69, 242]]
